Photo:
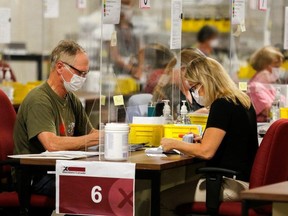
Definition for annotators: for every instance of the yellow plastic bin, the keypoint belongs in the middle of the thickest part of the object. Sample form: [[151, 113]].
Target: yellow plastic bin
[[284, 112], [146, 133], [199, 119], [126, 85], [177, 131]]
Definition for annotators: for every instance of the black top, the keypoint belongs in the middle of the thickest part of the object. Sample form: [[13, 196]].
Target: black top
[[240, 143]]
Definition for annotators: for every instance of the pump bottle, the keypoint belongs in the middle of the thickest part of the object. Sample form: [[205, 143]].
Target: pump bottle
[[7, 84], [183, 118], [1, 75], [167, 112], [275, 108], [7, 77]]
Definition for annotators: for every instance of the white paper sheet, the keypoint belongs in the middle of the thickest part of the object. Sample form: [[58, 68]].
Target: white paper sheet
[[111, 11], [144, 4], [5, 25], [51, 8], [156, 155], [176, 24], [65, 155], [286, 29], [238, 12], [262, 4]]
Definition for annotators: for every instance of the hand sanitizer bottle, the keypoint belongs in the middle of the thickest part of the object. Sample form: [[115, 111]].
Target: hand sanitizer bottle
[[1, 75], [275, 108], [167, 112], [7, 84], [7, 77], [182, 118]]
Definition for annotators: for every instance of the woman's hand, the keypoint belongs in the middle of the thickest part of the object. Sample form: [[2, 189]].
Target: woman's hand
[[168, 144]]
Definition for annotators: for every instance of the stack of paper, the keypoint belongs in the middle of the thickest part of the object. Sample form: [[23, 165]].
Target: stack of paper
[[64, 155]]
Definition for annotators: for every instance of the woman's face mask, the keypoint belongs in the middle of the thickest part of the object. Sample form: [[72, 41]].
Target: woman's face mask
[[278, 71], [199, 99], [75, 83]]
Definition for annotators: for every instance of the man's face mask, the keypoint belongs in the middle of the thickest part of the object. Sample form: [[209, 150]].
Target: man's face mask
[[75, 83]]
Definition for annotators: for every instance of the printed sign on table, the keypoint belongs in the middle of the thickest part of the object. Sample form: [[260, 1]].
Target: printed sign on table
[[95, 188]]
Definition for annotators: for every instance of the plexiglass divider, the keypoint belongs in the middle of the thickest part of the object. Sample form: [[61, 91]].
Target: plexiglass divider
[[132, 59]]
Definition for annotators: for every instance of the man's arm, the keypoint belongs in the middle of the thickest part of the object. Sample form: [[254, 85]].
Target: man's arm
[[52, 142]]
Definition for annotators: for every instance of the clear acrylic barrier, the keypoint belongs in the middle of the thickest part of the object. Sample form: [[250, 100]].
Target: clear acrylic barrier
[[140, 60]]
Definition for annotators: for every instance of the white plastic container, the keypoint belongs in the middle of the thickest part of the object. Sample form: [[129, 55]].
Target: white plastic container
[[116, 141]]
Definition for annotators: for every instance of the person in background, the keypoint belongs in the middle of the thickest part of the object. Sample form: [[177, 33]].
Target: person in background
[[229, 141], [156, 58], [266, 61], [172, 85], [207, 39], [51, 117], [125, 54]]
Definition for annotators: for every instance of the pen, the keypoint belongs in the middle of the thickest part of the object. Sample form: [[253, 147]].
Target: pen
[[178, 152]]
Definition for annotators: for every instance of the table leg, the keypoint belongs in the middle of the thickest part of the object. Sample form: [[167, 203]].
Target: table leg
[[155, 178], [252, 204], [23, 177], [155, 193], [245, 208]]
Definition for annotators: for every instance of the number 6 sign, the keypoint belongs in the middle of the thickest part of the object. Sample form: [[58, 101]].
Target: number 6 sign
[[95, 188]]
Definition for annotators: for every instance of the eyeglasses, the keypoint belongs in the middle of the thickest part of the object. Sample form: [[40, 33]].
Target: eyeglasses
[[81, 73], [194, 87]]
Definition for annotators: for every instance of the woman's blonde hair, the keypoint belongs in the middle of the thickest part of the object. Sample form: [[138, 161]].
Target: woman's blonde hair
[[264, 57], [216, 81]]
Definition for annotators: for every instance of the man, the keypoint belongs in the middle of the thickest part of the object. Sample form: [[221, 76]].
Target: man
[[51, 117], [207, 39]]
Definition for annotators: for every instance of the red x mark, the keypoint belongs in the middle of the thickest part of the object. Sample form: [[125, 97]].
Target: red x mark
[[126, 198]]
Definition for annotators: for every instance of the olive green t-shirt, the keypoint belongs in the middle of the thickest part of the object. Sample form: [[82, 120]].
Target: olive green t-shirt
[[44, 111]]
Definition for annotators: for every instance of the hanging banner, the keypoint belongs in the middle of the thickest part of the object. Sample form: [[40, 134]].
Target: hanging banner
[[238, 12], [95, 188], [144, 4], [286, 29], [111, 11], [176, 24], [51, 8], [5, 25], [262, 5]]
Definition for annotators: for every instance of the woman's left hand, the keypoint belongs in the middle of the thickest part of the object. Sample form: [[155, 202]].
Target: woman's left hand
[[168, 144]]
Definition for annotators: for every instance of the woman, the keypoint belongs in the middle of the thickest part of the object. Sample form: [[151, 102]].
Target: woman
[[156, 58], [229, 141], [173, 86], [266, 62]]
